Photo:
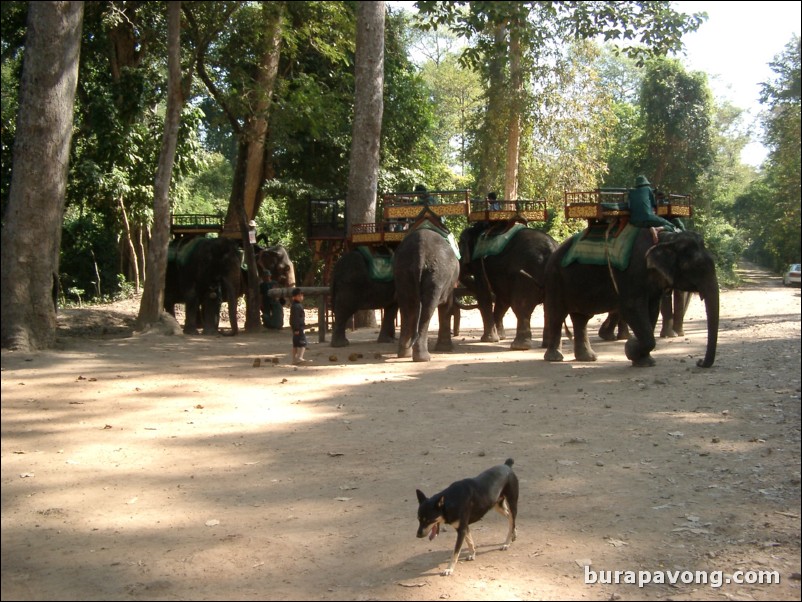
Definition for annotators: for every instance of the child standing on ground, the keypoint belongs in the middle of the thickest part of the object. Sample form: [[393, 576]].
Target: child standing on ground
[[298, 324]]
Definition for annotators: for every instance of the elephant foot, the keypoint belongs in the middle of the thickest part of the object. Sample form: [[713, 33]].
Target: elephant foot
[[585, 355], [340, 342], [404, 352], [607, 336], [490, 338], [191, 331], [552, 355], [445, 346], [636, 355], [421, 358], [521, 345], [646, 361], [384, 338]]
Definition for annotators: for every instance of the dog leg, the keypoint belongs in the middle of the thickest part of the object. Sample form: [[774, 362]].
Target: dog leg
[[471, 547], [461, 534], [504, 509]]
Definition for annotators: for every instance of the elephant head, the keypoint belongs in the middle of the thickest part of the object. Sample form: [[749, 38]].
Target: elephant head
[[277, 260], [681, 261]]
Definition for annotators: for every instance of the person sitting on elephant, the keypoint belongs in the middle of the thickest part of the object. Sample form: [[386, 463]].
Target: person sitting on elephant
[[272, 311], [492, 202], [423, 197], [643, 205]]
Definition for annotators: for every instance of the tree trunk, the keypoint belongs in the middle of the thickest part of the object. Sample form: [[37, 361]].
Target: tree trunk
[[363, 174], [514, 126], [150, 308], [32, 224], [256, 126], [129, 242]]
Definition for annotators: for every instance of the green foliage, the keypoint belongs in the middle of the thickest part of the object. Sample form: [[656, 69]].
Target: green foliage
[[726, 243], [89, 254]]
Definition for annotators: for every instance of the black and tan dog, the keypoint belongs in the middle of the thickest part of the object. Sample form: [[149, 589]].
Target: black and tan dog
[[467, 501]]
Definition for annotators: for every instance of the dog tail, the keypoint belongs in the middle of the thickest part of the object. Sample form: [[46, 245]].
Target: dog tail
[[509, 462]]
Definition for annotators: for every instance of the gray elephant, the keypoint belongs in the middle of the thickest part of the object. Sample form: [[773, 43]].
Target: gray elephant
[[363, 280], [678, 260], [425, 270], [506, 264], [277, 260], [201, 273]]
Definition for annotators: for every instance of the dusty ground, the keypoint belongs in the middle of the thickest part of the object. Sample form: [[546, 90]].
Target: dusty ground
[[149, 467]]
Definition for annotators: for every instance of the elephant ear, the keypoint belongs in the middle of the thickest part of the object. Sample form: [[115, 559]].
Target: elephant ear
[[662, 259]]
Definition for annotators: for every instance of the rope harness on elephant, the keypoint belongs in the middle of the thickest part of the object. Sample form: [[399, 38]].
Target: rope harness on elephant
[[607, 255]]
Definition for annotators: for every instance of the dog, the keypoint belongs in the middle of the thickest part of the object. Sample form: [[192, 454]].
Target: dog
[[467, 501]]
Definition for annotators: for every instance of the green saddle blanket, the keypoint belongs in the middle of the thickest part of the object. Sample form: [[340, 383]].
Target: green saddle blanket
[[380, 267], [595, 246], [492, 243], [427, 225]]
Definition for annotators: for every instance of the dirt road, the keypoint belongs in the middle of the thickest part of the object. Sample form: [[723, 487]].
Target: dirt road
[[170, 468]]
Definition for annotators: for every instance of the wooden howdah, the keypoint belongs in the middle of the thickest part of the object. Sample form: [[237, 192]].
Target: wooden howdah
[[611, 203]]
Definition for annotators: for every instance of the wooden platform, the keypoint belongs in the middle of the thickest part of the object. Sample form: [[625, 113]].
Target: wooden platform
[[609, 203], [520, 210]]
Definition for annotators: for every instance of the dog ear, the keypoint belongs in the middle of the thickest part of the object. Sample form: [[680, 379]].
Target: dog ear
[[421, 497]]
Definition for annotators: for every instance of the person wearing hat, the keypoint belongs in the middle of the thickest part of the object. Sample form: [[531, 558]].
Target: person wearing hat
[[642, 207], [298, 324], [252, 232], [272, 311]]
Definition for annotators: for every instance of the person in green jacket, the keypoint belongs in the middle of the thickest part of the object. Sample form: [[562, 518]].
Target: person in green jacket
[[642, 207]]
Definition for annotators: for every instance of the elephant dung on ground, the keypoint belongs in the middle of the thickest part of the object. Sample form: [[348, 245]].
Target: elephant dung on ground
[[678, 261], [201, 272], [363, 280], [511, 270], [426, 270]]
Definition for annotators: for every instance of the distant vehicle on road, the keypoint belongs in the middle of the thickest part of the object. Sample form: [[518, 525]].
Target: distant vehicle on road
[[792, 275]]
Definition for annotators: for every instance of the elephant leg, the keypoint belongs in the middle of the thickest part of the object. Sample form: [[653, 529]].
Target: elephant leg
[[490, 334], [681, 301], [583, 352], [667, 313], [499, 309], [341, 318], [387, 331], [607, 329], [552, 333], [523, 331], [407, 334], [444, 342], [420, 347], [639, 346], [191, 309]]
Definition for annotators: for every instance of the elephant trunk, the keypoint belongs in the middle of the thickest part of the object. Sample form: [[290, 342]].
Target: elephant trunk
[[710, 296]]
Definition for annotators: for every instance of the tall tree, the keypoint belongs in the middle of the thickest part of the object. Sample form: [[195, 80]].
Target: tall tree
[[32, 225], [363, 175], [534, 33], [678, 125], [153, 297]]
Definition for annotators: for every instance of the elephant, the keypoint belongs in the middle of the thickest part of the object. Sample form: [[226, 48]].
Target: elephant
[[425, 271], [678, 261], [201, 272], [673, 307], [277, 260], [514, 277], [358, 283]]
